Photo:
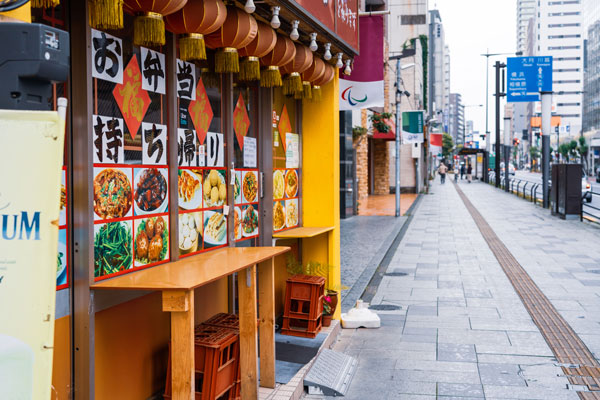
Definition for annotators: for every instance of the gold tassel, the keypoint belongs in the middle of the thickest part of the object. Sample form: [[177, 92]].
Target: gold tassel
[[210, 79], [191, 47], [149, 30], [316, 93], [227, 60], [292, 84], [249, 69], [44, 3], [306, 92], [270, 77], [106, 14]]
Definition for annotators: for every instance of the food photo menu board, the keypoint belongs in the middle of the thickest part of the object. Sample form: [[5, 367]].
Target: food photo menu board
[[129, 145], [246, 186], [202, 177], [286, 173], [62, 265]]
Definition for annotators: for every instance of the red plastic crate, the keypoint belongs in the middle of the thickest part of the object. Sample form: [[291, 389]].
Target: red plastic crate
[[301, 327], [224, 320], [304, 297]]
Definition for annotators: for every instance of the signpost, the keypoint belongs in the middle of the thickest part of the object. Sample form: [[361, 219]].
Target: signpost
[[527, 77]]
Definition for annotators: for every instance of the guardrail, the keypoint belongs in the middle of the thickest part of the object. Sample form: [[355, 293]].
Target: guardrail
[[591, 212], [529, 190]]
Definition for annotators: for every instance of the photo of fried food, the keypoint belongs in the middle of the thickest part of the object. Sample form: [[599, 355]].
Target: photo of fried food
[[63, 197], [291, 183], [214, 188], [250, 186], [187, 183], [278, 216], [278, 184], [112, 194], [151, 190]]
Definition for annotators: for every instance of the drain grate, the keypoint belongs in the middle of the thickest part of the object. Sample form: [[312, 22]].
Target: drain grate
[[396, 274], [560, 336], [384, 307]]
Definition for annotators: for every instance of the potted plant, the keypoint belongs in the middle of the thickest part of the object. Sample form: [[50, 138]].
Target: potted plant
[[379, 121], [330, 301]]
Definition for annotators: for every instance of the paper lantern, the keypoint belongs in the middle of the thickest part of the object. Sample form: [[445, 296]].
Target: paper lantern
[[262, 44], [196, 19], [292, 82], [283, 52], [106, 14], [327, 77], [44, 3], [312, 74], [239, 29], [148, 25]]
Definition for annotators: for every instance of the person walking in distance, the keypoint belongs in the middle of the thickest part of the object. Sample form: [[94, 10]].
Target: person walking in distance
[[442, 169], [469, 172], [462, 171]]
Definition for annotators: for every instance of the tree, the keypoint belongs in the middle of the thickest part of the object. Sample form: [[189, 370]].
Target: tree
[[563, 149], [583, 150], [534, 153], [447, 145]]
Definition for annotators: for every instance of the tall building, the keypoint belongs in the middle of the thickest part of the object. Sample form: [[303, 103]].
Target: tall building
[[560, 35], [439, 66], [525, 11], [456, 125], [591, 86]]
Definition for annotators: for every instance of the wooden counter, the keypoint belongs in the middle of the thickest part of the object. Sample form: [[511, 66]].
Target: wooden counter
[[177, 281], [302, 232]]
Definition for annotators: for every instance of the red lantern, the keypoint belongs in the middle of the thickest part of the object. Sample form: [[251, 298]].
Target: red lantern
[[262, 44], [196, 19], [292, 83], [283, 52], [239, 29], [312, 74], [148, 25]]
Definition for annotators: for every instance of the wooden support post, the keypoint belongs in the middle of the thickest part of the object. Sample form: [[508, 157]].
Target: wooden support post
[[266, 311], [180, 303], [248, 333]]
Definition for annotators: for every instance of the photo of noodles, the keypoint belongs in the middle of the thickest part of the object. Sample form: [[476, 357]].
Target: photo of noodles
[[291, 183], [278, 216], [278, 184], [112, 194], [291, 213]]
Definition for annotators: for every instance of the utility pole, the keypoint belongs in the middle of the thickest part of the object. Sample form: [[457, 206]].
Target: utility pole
[[546, 98], [507, 143], [398, 138], [499, 93]]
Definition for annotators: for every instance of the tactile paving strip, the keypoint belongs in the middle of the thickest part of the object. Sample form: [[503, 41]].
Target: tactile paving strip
[[583, 368]]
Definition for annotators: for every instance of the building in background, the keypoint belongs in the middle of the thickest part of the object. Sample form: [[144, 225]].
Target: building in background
[[439, 65], [456, 126], [525, 11], [591, 79]]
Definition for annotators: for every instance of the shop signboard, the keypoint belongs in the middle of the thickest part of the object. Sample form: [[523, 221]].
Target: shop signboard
[[32, 145], [527, 77], [363, 88], [412, 127]]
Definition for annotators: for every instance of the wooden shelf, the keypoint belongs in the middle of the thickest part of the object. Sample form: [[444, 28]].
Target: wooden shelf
[[302, 232], [194, 271]]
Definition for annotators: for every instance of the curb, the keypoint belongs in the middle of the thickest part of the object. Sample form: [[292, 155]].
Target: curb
[[368, 277]]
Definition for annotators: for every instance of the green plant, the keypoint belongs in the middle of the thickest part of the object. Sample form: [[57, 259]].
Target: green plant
[[377, 119], [327, 309], [314, 268], [447, 145], [358, 132]]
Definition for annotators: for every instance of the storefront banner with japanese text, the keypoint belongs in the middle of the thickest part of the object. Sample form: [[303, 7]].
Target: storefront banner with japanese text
[[363, 88], [31, 158], [412, 127], [435, 144]]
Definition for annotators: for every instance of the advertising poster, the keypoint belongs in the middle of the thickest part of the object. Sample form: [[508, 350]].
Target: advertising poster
[[412, 127], [31, 146]]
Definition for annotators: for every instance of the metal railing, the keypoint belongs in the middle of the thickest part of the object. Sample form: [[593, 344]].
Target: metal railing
[[529, 190], [591, 212]]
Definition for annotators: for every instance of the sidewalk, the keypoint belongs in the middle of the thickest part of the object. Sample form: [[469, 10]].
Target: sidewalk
[[460, 329]]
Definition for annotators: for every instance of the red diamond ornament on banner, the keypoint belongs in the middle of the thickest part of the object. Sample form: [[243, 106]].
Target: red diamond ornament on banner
[[241, 121], [284, 125], [200, 112], [133, 101]]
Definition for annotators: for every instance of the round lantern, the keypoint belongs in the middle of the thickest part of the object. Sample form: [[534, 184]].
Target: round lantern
[[292, 82], [106, 14], [148, 25], [239, 29], [262, 44], [44, 3], [323, 80], [283, 52], [312, 74], [196, 19]]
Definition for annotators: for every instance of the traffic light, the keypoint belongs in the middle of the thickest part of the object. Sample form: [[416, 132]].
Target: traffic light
[[516, 141]]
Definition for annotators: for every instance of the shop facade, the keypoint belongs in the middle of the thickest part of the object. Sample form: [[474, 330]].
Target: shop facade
[[173, 157]]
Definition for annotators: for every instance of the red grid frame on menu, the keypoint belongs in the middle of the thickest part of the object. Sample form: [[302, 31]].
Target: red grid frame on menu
[[106, 105]]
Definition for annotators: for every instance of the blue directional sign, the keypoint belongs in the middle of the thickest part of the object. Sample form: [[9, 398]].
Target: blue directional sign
[[527, 77]]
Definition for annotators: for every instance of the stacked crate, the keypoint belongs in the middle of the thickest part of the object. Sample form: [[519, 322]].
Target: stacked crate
[[228, 321], [216, 361], [303, 312]]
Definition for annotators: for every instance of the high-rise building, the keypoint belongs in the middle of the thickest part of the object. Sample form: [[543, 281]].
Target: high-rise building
[[525, 11], [560, 35], [456, 125], [439, 66], [591, 96]]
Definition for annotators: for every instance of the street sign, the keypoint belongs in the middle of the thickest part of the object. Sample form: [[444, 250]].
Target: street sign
[[527, 77]]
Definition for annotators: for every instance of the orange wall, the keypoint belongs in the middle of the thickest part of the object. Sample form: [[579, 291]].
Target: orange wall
[[132, 342], [61, 367]]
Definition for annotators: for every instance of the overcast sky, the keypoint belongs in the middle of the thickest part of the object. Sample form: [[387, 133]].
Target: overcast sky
[[472, 27]]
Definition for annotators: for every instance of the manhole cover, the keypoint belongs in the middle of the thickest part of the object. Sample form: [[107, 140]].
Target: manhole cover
[[594, 271], [384, 307], [396, 274]]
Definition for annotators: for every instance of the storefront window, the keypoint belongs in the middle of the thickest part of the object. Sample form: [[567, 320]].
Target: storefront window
[[286, 163], [130, 156], [246, 188], [202, 176]]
